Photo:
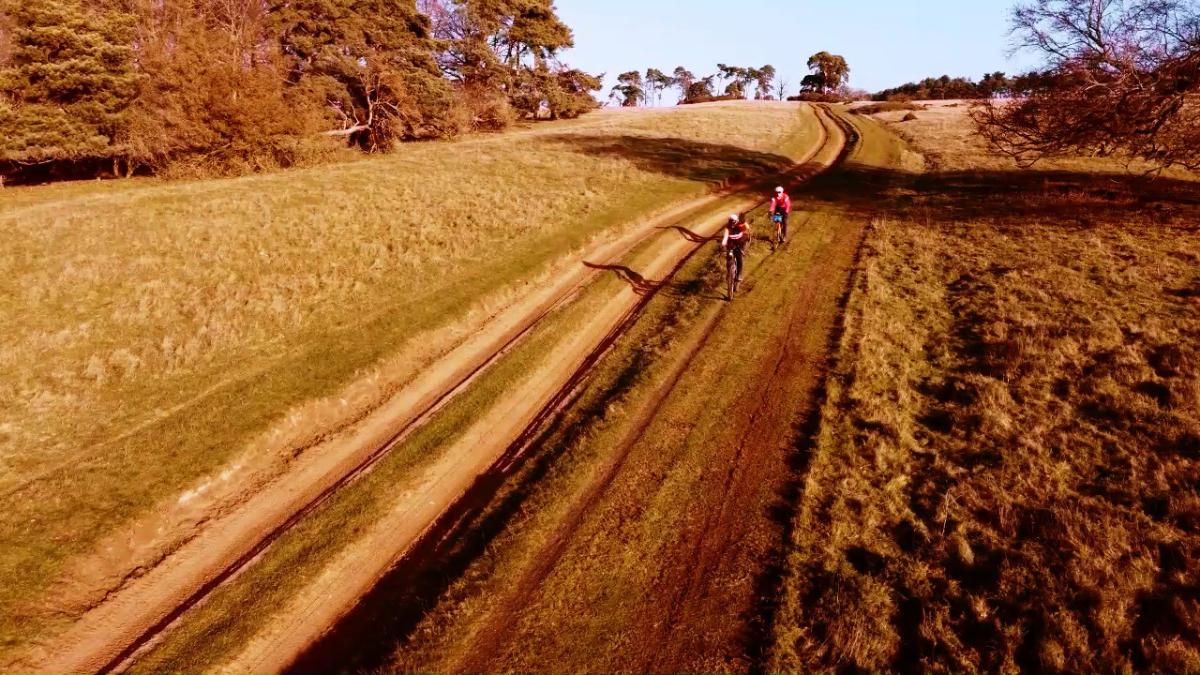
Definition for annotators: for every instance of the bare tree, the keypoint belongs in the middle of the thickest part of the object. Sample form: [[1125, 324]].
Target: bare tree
[[1122, 76]]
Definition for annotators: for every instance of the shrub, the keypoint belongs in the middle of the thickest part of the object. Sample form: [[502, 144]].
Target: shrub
[[890, 106], [488, 109], [816, 97], [709, 99]]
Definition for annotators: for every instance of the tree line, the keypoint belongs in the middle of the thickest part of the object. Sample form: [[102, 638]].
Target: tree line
[[991, 85], [945, 88], [736, 82], [121, 86], [829, 73]]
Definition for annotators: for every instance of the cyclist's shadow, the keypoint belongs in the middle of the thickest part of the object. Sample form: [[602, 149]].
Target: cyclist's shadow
[[694, 237], [640, 284]]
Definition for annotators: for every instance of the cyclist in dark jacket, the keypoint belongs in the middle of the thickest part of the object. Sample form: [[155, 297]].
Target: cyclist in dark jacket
[[736, 236]]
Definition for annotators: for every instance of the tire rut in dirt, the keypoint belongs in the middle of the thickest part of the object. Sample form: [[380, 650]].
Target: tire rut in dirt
[[368, 636], [115, 653], [756, 476], [491, 636], [713, 538], [362, 640]]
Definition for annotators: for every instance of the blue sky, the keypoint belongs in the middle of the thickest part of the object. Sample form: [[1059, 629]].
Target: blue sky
[[886, 42]]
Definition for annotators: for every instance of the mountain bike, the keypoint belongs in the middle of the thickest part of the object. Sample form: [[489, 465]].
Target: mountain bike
[[731, 273], [777, 218]]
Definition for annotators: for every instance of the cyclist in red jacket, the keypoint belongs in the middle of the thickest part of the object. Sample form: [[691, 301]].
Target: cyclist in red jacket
[[781, 205]]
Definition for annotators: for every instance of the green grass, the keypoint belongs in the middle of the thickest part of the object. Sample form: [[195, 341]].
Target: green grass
[[159, 330]]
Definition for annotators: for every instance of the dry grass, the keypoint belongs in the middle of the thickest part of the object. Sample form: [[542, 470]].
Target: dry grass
[[158, 330], [214, 631], [230, 618], [944, 134], [586, 613], [1007, 474]]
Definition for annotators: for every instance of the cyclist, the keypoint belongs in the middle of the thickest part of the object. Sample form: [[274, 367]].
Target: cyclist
[[781, 205], [736, 236]]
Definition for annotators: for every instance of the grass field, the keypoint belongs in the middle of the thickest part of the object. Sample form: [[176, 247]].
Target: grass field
[[603, 578], [1007, 473], [594, 605], [996, 468], [224, 624], [161, 331]]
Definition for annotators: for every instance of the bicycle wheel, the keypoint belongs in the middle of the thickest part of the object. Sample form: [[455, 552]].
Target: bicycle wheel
[[730, 275]]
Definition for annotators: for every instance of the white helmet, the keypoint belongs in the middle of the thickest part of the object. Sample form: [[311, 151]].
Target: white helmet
[[733, 218], [779, 189]]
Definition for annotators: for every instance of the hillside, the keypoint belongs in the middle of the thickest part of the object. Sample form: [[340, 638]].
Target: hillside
[[485, 406], [176, 344]]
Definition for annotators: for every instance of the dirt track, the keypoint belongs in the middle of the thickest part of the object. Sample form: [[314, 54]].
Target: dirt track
[[109, 633], [489, 444], [705, 572], [713, 581]]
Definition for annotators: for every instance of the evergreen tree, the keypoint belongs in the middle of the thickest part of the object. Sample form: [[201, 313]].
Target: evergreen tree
[[764, 78], [508, 46], [374, 61], [68, 80], [220, 86], [656, 81], [629, 87], [831, 70], [572, 95], [682, 78]]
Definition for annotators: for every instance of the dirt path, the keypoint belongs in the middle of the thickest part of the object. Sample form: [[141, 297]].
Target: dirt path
[[490, 443], [714, 578], [128, 618], [705, 571], [701, 617], [495, 632]]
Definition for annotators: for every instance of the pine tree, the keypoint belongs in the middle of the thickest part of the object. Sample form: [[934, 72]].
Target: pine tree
[[67, 82], [510, 46], [374, 59], [222, 87], [629, 87]]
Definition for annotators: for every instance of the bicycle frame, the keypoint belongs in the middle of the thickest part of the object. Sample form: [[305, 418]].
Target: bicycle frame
[[731, 272]]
